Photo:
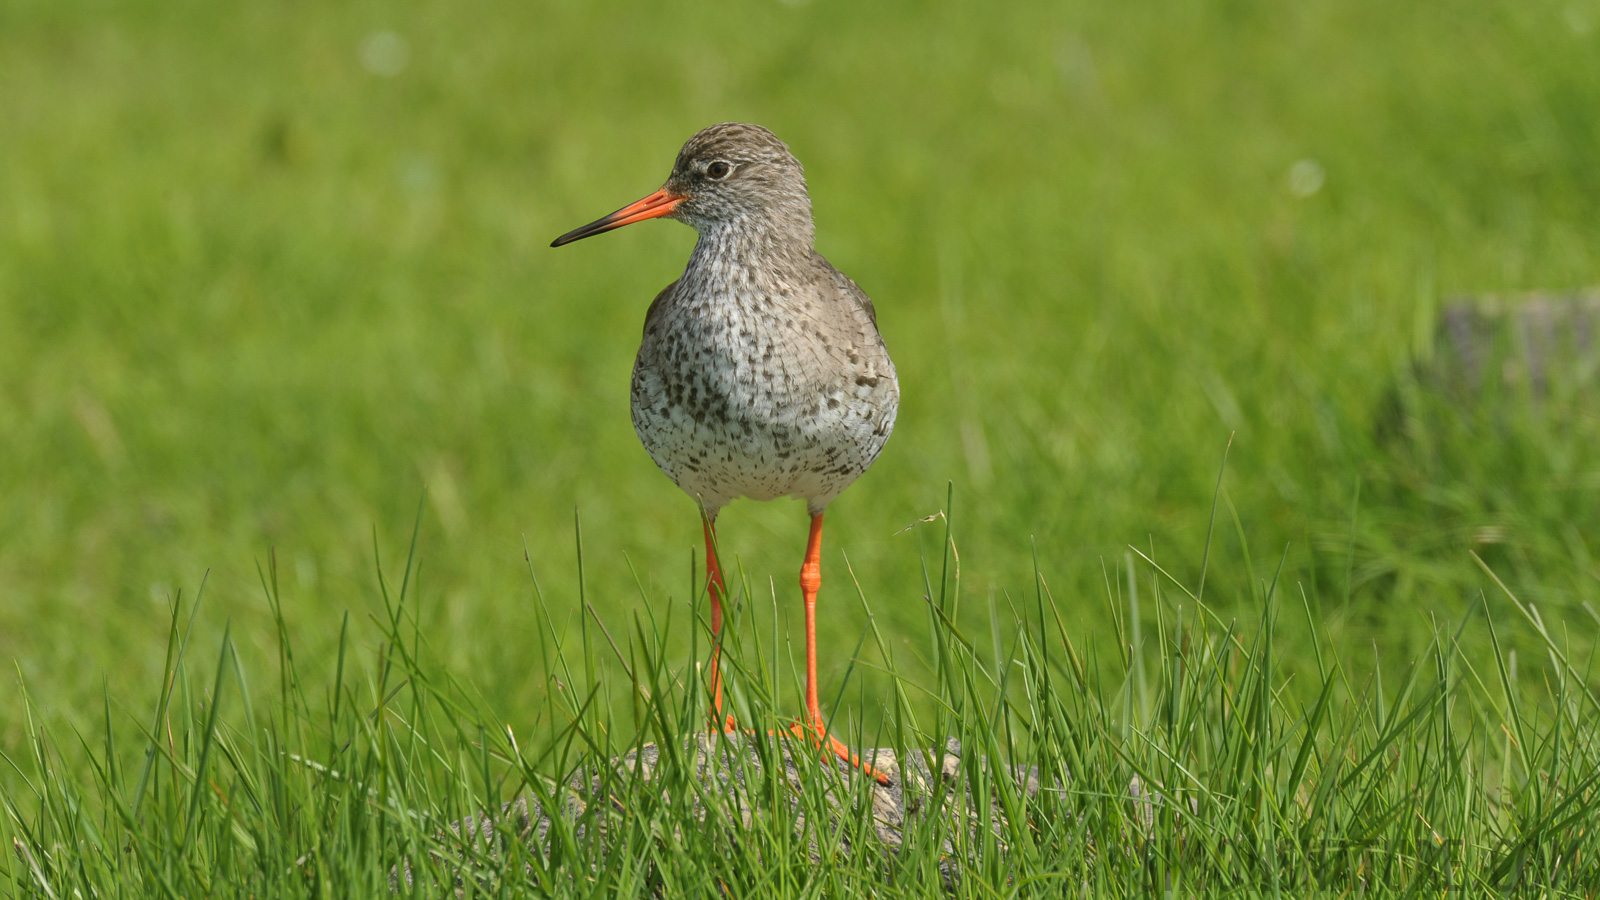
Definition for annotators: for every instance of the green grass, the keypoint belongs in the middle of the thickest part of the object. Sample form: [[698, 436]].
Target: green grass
[[1459, 779], [257, 299]]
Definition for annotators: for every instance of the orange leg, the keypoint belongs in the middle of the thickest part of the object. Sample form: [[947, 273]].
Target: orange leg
[[810, 583], [717, 590]]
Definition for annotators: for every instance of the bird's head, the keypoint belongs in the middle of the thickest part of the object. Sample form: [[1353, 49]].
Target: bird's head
[[730, 175]]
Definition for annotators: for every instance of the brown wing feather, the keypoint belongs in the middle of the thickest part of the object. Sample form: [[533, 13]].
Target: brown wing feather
[[849, 288], [861, 298], [655, 306]]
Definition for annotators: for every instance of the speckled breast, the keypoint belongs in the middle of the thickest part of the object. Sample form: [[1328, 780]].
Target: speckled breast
[[751, 399]]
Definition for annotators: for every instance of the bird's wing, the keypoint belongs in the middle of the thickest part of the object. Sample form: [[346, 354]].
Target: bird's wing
[[855, 293], [656, 305], [848, 288], [851, 320]]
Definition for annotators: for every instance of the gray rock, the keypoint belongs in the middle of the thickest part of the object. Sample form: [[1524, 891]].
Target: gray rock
[[1494, 359], [1514, 344], [730, 763]]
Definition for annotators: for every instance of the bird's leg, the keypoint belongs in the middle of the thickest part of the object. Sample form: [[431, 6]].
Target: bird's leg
[[810, 583], [717, 589]]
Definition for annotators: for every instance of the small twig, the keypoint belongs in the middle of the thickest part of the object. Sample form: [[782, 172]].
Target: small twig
[[922, 521]]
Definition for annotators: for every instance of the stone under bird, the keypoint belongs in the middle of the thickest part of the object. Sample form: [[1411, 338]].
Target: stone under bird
[[762, 373]]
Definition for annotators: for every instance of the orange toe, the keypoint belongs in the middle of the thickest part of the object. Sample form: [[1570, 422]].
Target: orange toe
[[814, 734]]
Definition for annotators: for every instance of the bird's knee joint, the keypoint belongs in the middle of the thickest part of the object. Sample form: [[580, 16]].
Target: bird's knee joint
[[810, 579]]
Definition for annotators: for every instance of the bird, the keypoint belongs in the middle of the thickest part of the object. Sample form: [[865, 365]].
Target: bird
[[761, 373]]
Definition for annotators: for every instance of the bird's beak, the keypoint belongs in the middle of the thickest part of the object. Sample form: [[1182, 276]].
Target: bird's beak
[[654, 206]]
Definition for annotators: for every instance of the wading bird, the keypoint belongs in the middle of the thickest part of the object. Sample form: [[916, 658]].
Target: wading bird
[[762, 373]]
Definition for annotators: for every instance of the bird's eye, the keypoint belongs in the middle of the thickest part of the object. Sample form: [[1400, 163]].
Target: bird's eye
[[718, 170]]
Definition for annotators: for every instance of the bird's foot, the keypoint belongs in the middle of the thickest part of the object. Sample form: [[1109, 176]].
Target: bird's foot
[[813, 733]]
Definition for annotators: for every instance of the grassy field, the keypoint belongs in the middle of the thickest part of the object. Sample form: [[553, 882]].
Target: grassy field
[[1186, 765], [272, 276]]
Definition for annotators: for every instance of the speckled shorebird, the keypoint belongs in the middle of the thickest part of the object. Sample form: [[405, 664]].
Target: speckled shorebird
[[762, 373]]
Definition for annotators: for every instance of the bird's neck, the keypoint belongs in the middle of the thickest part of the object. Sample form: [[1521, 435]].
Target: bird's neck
[[751, 253]]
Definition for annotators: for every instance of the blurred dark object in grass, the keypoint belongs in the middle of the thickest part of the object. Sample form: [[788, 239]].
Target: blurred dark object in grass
[[1502, 347], [1497, 359]]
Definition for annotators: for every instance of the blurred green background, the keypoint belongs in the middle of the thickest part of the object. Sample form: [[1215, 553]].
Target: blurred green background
[[269, 270]]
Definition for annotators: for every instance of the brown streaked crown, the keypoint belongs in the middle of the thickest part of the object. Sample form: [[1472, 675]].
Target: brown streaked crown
[[738, 171]]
